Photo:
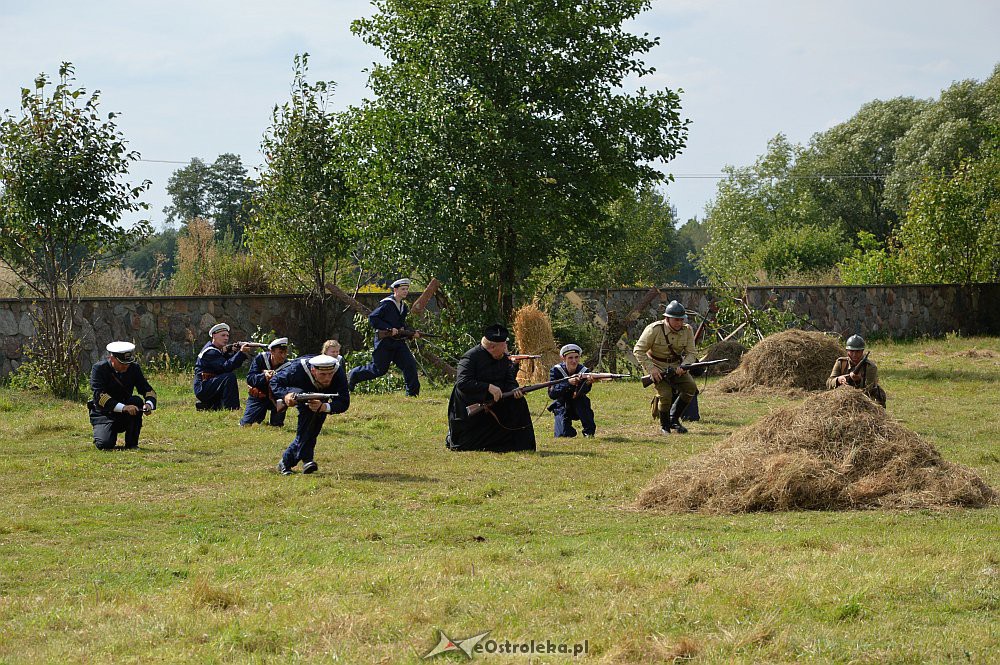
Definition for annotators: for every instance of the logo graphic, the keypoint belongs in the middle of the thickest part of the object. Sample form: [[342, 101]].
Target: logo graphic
[[446, 644]]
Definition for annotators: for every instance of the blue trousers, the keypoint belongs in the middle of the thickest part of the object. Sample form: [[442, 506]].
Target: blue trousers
[[568, 410], [304, 444], [219, 392], [257, 409], [107, 426], [395, 352]]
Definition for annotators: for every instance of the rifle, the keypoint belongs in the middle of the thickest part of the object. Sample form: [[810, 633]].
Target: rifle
[[647, 380], [601, 376], [404, 333], [474, 409], [235, 345], [302, 398], [523, 356], [853, 374]]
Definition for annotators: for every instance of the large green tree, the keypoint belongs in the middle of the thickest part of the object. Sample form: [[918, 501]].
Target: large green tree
[[301, 231], [62, 194], [499, 133], [219, 192]]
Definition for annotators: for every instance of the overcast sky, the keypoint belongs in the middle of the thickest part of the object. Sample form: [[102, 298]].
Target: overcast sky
[[197, 79]]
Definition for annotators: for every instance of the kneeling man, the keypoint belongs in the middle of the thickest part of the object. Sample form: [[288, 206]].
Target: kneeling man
[[114, 408], [321, 374], [570, 401], [259, 400], [485, 372]]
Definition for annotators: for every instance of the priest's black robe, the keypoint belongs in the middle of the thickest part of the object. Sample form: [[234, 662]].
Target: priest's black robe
[[507, 426]]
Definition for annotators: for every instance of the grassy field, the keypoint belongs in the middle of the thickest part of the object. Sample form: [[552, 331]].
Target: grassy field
[[192, 549]]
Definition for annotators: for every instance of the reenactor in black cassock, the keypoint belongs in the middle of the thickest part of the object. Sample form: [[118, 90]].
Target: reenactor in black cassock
[[484, 372], [319, 374], [388, 319], [867, 374], [215, 383], [569, 398], [114, 408], [259, 398]]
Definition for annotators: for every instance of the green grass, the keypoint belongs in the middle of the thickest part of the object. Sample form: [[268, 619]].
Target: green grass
[[192, 549]]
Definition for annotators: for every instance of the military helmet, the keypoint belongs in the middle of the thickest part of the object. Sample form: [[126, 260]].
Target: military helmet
[[855, 343], [674, 310]]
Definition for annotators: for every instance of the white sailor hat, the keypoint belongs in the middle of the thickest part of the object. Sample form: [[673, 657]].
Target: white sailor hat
[[323, 361], [217, 328], [281, 341], [404, 281], [569, 348], [123, 351]]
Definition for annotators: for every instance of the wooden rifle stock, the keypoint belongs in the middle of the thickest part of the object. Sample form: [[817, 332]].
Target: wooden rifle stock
[[647, 380], [474, 409], [235, 345], [853, 374], [405, 333]]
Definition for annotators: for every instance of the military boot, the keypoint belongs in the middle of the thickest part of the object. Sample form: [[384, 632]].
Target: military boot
[[677, 410], [664, 422]]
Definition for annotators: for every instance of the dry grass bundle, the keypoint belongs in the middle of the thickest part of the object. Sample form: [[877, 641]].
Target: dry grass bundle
[[792, 359], [837, 450], [729, 349], [533, 335]]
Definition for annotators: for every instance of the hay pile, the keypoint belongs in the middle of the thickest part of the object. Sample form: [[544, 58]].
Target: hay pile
[[533, 335], [793, 359], [728, 349], [837, 450]]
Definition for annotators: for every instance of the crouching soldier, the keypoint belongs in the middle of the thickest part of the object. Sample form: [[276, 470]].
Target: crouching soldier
[[215, 383], [114, 408], [662, 347], [259, 399], [320, 374], [857, 371], [570, 400]]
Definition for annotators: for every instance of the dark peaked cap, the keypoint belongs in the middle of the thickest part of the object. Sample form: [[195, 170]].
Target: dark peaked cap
[[496, 333]]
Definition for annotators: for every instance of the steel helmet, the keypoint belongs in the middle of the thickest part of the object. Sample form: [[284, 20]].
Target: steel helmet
[[855, 343]]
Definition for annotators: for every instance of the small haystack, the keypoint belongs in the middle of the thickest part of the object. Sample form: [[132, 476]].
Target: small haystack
[[729, 349], [792, 359], [533, 335], [837, 450]]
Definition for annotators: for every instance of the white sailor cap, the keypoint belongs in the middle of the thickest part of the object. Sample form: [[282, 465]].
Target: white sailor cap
[[123, 351], [323, 361], [569, 348], [218, 327], [404, 281], [281, 341]]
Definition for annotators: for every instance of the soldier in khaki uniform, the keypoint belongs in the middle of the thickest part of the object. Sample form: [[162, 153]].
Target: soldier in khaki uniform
[[846, 372], [661, 348]]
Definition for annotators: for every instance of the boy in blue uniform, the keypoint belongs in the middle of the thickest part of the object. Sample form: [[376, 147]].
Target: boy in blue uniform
[[570, 401], [321, 374], [388, 319], [259, 400], [114, 408], [215, 383]]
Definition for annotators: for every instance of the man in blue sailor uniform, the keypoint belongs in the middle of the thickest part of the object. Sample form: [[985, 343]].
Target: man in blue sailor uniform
[[388, 319], [215, 383], [259, 401], [114, 408], [570, 400], [321, 374]]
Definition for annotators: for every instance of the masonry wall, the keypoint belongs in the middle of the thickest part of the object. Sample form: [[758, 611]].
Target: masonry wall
[[179, 325]]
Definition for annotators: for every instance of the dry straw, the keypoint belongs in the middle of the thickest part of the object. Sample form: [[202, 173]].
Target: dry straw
[[533, 335], [729, 349], [837, 450], [790, 360]]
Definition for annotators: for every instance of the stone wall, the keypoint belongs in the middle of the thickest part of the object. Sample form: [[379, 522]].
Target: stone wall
[[880, 311], [179, 325]]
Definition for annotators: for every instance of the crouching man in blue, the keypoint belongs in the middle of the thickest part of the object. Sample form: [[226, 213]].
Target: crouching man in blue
[[215, 383], [570, 401], [321, 374], [389, 320], [114, 408], [262, 370]]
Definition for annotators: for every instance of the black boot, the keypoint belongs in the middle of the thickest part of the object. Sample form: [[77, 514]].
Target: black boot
[[664, 422], [676, 411]]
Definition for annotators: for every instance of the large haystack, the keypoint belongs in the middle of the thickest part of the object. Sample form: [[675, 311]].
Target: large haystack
[[793, 359], [837, 450], [533, 335], [732, 351]]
